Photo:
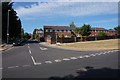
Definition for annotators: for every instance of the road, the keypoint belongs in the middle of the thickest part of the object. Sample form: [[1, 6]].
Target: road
[[37, 61]]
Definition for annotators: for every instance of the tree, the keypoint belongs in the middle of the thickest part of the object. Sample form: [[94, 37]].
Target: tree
[[34, 33], [36, 36], [14, 22], [62, 35], [85, 30], [27, 35], [22, 33], [117, 29], [72, 24], [102, 34], [72, 36]]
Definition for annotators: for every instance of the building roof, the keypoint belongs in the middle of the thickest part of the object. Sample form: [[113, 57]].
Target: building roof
[[98, 29], [60, 27], [68, 28]]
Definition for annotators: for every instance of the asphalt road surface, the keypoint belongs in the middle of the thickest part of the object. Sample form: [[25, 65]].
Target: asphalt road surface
[[37, 61]]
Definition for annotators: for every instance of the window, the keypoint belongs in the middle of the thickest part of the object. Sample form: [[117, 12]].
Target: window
[[72, 30], [64, 30], [98, 30], [92, 30], [55, 30], [50, 30], [60, 31], [68, 30], [48, 36], [92, 35], [46, 30], [78, 35], [66, 35]]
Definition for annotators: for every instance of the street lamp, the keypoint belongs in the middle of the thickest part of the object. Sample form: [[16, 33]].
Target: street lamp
[[56, 38], [95, 34], [8, 27]]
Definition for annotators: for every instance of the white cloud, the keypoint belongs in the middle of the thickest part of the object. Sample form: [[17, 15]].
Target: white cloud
[[106, 21], [69, 8], [64, 0]]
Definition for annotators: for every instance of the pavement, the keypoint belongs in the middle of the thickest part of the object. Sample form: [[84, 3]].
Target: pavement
[[6, 47], [34, 60]]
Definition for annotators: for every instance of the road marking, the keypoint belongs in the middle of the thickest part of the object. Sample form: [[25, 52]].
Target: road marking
[[1, 68], [30, 51], [43, 48], [73, 58], [57, 60], [66, 59], [28, 46], [86, 56], [38, 63], [80, 57], [33, 60], [13, 67], [92, 55], [48, 62], [25, 65]]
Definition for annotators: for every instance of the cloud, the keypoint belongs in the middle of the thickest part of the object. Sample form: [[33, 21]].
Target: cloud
[[69, 8], [106, 21]]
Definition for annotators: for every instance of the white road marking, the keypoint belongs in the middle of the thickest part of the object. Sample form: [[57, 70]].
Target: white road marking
[[73, 58], [25, 65], [57, 60], [86, 56], [80, 57], [1, 68], [13, 67], [92, 55], [30, 51], [43, 48], [48, 62], [38, 63], [66, 59], [28, 46], [33, 60]]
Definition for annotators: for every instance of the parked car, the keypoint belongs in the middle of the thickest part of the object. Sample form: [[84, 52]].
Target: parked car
[[17, 43]]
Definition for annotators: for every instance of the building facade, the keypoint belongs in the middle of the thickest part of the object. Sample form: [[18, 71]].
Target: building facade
[[52, 31]]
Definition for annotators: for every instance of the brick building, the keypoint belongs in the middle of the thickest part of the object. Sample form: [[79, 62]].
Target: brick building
[[51, 31]]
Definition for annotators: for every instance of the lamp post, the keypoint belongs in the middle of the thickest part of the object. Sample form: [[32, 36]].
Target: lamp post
[[95, 34], [8, 27], [56, 38]]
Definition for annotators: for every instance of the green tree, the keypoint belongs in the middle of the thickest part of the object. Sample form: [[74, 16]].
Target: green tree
[[102, 34], [72, 36], [85, 30], [14, 22], [72, 24], [62, 35], [22, 33], [117, 29], [34, 33], [27, 35], [36, 36]]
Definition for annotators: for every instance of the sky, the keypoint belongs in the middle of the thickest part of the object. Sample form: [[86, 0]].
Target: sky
[[34, 15]]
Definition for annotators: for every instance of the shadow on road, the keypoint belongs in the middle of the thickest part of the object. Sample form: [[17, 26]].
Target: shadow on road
[[93, 74]]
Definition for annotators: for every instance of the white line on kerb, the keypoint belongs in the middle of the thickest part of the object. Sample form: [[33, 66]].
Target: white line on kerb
[[80, 57], [38, 63], [33, 60], [30, 51]]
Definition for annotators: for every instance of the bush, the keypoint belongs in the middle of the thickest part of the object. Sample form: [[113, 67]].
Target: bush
[[102, 34]]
